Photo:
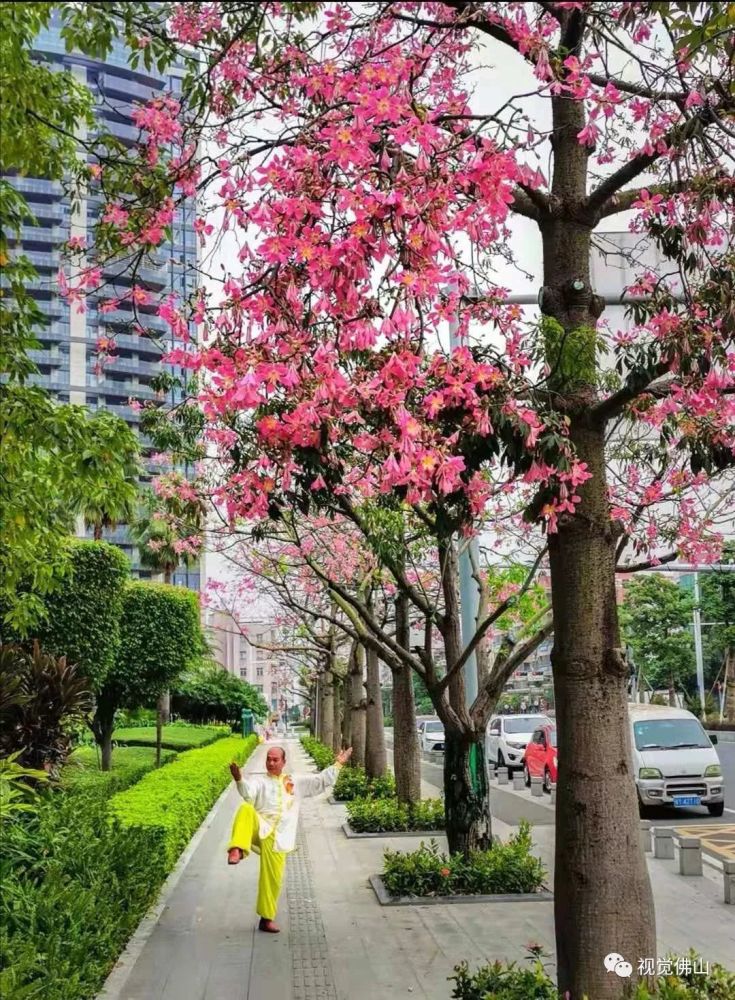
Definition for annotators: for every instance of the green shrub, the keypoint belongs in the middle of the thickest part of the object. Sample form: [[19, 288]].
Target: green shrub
[[353, 783], [177, 736], [508, 867], [44, 697], [503, 982], [511, 982], [133, 718], [322, 755], [75, 886], [83, 622], [174, 800], [19, 787], [129, 764], [387, 815], [208, 693]]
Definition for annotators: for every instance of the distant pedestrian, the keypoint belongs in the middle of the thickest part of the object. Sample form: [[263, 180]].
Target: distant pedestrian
[[266, 823]]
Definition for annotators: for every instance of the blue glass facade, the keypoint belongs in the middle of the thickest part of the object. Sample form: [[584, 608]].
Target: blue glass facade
[[66, 359]]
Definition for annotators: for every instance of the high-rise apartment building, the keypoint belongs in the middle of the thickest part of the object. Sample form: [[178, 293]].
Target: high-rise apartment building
[[67, 360]]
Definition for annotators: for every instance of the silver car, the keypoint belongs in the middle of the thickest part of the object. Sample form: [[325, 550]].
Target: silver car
[[432, 735]]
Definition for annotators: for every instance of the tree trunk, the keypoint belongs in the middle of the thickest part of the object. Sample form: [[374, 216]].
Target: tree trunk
[[358, 706], [326, 720], [103, 726], [159, 729], [466, 795], [376, 760], [97, 533], [165, 705], [602, 894], [406, 751], [337, 708], [672, 693]]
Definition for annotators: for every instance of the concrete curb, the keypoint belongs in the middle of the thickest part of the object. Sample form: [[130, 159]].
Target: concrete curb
[[352, 835], [385, 899], [118, 977]]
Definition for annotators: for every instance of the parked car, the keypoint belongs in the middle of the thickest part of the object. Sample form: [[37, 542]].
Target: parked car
[[675, 762], [432, 735], [507, 737], [421, 719], [539, 759]]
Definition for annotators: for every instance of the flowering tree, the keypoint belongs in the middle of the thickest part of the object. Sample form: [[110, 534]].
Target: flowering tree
[[362, 195]]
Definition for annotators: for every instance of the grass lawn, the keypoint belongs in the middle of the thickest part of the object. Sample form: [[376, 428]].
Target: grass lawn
[[177, 737], [129, 764]]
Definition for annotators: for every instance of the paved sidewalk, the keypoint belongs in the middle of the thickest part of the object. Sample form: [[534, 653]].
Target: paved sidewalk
[[206, 946], [337, 943]]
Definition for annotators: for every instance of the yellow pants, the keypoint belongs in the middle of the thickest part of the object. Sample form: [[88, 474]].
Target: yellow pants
[[246, 836]]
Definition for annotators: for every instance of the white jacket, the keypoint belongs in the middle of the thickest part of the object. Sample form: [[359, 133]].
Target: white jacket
[[276, 801]]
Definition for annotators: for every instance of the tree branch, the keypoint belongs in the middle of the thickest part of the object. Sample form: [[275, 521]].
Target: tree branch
[[482, 628], [503, 667], [648, 564]]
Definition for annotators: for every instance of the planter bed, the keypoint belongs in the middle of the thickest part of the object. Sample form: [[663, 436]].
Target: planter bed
[[385, 899], [353, 835]]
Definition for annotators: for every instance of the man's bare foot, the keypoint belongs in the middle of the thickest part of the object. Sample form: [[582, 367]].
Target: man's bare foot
[[234, 856], [268, 926]]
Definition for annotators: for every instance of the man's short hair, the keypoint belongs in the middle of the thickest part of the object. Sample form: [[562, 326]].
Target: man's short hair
[[283, 752]]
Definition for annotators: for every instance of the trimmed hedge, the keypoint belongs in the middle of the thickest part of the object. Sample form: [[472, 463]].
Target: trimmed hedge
[[353, 783], [129, 764], [392, 816], [322, 755], [174, 800], [505, 868], [175, 737], [512, 982]]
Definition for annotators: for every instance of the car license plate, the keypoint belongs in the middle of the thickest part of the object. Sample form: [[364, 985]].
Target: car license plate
[[682, 801]]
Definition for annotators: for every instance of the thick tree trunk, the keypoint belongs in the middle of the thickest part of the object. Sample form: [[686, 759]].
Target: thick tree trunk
[[466, 795], [406, 751], [602, 895], [376, 760], [358, 706], [326, 722], [337, 708]]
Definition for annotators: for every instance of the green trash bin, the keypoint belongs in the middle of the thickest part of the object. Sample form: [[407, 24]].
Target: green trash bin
[[248, 721]]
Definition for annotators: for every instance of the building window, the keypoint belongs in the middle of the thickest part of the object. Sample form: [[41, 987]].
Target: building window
[[244, 672], [259, 671]]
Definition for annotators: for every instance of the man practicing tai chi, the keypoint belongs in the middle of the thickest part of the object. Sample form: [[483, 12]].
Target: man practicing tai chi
[[266, 823]]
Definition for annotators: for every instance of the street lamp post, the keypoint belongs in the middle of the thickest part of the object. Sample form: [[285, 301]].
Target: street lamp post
[[469, 594]]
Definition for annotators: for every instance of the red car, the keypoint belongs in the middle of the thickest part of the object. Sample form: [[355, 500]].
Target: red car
[[539, 760]]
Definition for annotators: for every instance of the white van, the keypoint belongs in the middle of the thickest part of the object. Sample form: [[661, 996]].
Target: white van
[[674, 759]]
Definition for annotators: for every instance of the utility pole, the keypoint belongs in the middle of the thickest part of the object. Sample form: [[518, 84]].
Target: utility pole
[[698, 643], [469, 594]]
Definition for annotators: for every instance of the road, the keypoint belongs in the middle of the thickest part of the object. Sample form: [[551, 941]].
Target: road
[[432, 773]]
